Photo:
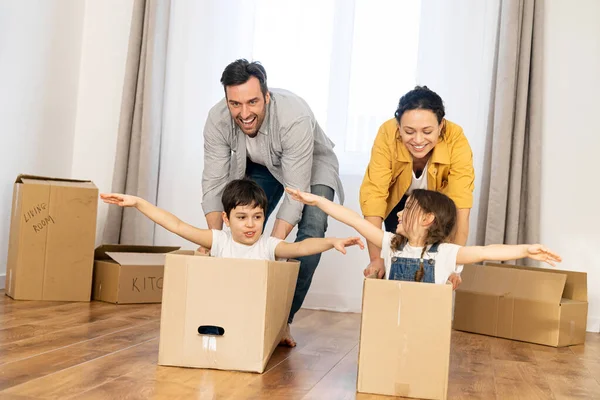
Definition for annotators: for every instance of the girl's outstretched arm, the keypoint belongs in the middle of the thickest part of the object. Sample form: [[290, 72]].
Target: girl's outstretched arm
[[505, 252], [341, 213]]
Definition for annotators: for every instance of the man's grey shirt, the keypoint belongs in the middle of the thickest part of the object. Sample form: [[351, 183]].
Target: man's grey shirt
[[297, 152]]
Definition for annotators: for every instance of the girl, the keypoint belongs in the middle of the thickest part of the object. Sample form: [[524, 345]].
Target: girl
[[419, 251]]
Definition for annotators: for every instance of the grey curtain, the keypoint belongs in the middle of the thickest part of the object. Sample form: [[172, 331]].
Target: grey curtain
[[510, 193], [137, 162]]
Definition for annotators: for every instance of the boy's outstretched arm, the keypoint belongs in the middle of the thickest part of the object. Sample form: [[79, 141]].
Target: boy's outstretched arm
[[505, 252], [308, 247], [203, 237], [341, 213]]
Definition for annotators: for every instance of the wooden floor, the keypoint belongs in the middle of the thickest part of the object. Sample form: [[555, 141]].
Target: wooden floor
[[102, 351]]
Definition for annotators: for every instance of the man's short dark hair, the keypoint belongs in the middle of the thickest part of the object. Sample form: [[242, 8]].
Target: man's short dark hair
[[239, 71], [243, 192]]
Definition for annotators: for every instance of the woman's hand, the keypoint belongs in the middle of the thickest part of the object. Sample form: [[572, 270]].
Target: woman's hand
[[376, 267], [123, 200]]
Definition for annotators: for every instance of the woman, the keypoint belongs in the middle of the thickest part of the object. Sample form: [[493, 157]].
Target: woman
[[418, 149]]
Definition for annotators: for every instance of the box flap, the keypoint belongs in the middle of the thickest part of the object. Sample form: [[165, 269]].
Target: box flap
[[82, 185], [513, 282], [100, 252], [539, 286], [491, 281], [138, 258], [22, 177], [575, 287]]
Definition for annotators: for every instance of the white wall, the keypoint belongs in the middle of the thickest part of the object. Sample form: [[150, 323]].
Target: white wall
[[571, 141], [61, 74], [39, 75]]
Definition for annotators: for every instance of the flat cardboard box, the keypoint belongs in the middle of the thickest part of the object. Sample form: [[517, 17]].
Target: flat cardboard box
[[126, 274], [223, 313], [405, 333], [536, 305], [51, 243]]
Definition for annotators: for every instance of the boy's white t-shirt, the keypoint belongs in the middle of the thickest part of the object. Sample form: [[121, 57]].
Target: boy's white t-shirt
[[223, 245], [445, 257]]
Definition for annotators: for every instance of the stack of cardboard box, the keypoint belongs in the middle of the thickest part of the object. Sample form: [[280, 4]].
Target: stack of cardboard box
[[51, 248]]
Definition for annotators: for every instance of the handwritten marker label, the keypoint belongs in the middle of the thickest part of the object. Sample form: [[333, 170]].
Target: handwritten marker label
[[147, 283]]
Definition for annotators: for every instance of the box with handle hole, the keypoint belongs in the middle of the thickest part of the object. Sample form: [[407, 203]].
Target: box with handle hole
[[223, 313]]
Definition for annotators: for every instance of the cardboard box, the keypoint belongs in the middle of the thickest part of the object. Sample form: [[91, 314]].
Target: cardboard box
[[537, 305], [223, 313], [51, 243], [126, 274], [405, 333]]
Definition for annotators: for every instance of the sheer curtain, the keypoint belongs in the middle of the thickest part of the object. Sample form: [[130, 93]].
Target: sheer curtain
[[349, 59], [456, 59]]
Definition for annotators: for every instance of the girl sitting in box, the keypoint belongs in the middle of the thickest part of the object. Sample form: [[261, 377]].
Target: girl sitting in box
[[418, 250]]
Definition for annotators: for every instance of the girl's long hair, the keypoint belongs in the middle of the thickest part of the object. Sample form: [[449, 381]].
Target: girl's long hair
[[423, 202]]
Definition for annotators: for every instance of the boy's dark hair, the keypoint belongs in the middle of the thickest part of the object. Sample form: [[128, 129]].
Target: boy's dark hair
[[243, 192], [421, 98], [429, 202], [239, 71]]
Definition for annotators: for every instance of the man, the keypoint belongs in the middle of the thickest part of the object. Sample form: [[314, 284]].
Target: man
[[273, 138]]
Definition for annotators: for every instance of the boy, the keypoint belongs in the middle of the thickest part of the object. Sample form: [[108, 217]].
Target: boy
[[244, 205]]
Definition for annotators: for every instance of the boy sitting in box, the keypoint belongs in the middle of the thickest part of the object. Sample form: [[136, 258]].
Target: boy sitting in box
[[244, 205]]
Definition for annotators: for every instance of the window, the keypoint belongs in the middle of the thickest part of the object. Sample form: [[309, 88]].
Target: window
[[350, 60]]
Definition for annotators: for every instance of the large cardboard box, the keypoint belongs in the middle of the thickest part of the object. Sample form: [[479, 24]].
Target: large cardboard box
[[223, 313], [537, 305], [405, 333], [126, 274], [51, 243]]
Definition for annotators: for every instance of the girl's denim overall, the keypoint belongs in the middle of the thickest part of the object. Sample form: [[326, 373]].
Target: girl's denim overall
[[404, 269]]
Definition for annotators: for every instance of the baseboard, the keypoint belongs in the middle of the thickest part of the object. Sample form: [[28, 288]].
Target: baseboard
[[593, 324], [2, 281], [332, 302]]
